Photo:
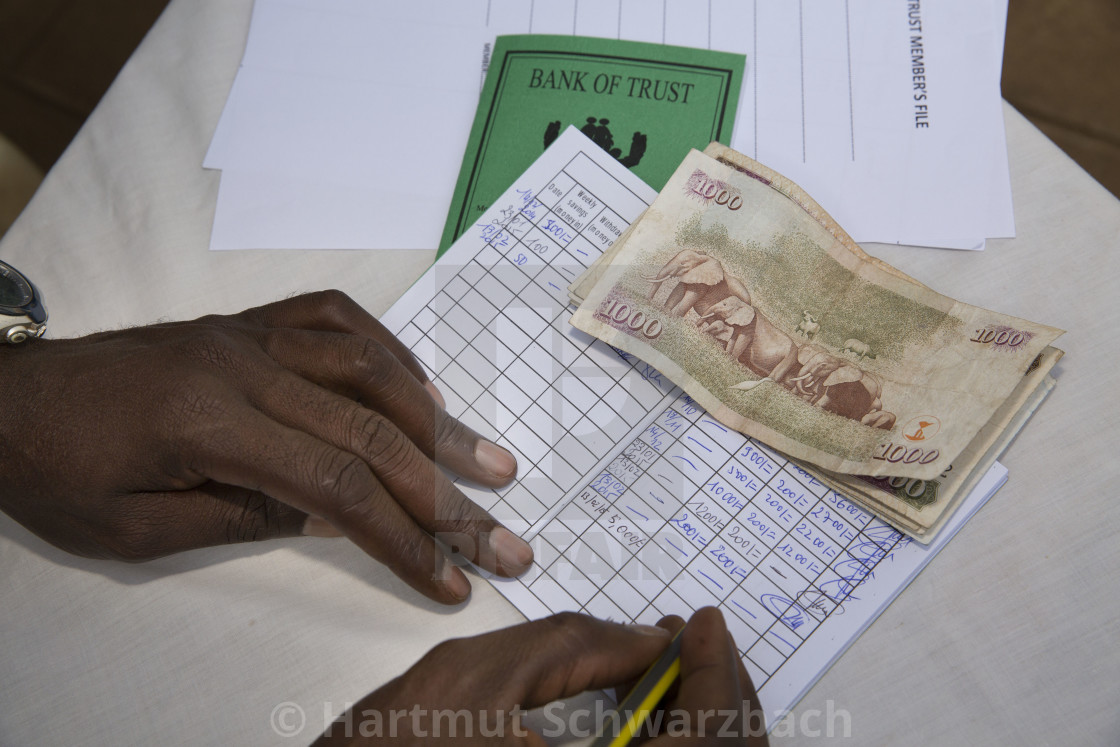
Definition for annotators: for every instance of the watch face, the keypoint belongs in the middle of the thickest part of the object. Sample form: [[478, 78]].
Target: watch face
[[14, 290]]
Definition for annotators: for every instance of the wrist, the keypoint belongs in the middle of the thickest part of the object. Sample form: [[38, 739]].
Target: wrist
[[23, 315], [18, 380]]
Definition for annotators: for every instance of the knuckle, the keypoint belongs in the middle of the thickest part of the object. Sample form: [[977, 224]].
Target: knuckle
[[452, 436], [377, 373], [568, 623], [385, 445], [555, 645], [369, 432], [218, 320], [333, 303], [212, 344], [376, 368], [455, 513], [252, 518], [369, 357], [344, 482], [568, 634]]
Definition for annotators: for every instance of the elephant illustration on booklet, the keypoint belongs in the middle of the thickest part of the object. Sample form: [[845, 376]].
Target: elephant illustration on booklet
[[744, 292]]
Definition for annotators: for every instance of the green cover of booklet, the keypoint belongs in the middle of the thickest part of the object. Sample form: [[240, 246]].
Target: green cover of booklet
[[645, 104]]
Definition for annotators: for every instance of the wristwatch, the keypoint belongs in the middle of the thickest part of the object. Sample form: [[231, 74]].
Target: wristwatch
[[22, 312]]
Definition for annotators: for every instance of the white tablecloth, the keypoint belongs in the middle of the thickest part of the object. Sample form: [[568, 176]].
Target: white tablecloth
[[1012, 635]]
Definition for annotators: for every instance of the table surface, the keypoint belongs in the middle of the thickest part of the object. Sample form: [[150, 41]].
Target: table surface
[[1012, 634]]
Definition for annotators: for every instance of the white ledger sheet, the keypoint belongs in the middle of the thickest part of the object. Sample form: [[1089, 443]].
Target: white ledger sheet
[[347, 115], [637, 503]]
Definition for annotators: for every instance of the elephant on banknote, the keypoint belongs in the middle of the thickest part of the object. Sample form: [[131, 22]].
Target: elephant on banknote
[[702, 280], [755, 341], [837, 386]]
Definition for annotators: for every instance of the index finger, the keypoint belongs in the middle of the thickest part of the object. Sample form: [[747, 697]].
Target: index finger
[[367, 371], [334, 311], [712, 678]]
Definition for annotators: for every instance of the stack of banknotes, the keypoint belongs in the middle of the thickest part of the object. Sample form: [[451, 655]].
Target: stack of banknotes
[[737, 286]]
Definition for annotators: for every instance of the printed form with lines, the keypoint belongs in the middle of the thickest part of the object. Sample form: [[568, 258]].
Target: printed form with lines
[[636, 502]]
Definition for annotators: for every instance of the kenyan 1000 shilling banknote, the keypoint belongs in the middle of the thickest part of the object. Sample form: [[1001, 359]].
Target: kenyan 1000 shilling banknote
[[920, 507], [745, 293]]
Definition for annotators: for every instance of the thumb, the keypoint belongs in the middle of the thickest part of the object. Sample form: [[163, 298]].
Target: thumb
[[572, 653], [521, 667], [535, 663]]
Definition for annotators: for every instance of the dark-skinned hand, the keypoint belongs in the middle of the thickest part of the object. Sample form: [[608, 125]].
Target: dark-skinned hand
[[713, 685], [532, 664], [305, 416]]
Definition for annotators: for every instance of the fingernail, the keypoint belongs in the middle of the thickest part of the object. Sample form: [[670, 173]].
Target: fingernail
[[512, 552], [649, 630], [316, 526], [455, 581], [494, 459], [436, 394]]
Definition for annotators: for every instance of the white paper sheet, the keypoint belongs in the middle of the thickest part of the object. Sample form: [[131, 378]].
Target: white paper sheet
[[832, 92], [637, 503], [342, 92]]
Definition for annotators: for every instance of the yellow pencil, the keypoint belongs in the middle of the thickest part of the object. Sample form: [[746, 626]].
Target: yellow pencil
[[644, 698]]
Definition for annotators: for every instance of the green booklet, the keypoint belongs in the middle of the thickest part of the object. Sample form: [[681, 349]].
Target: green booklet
[[645, 104]]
